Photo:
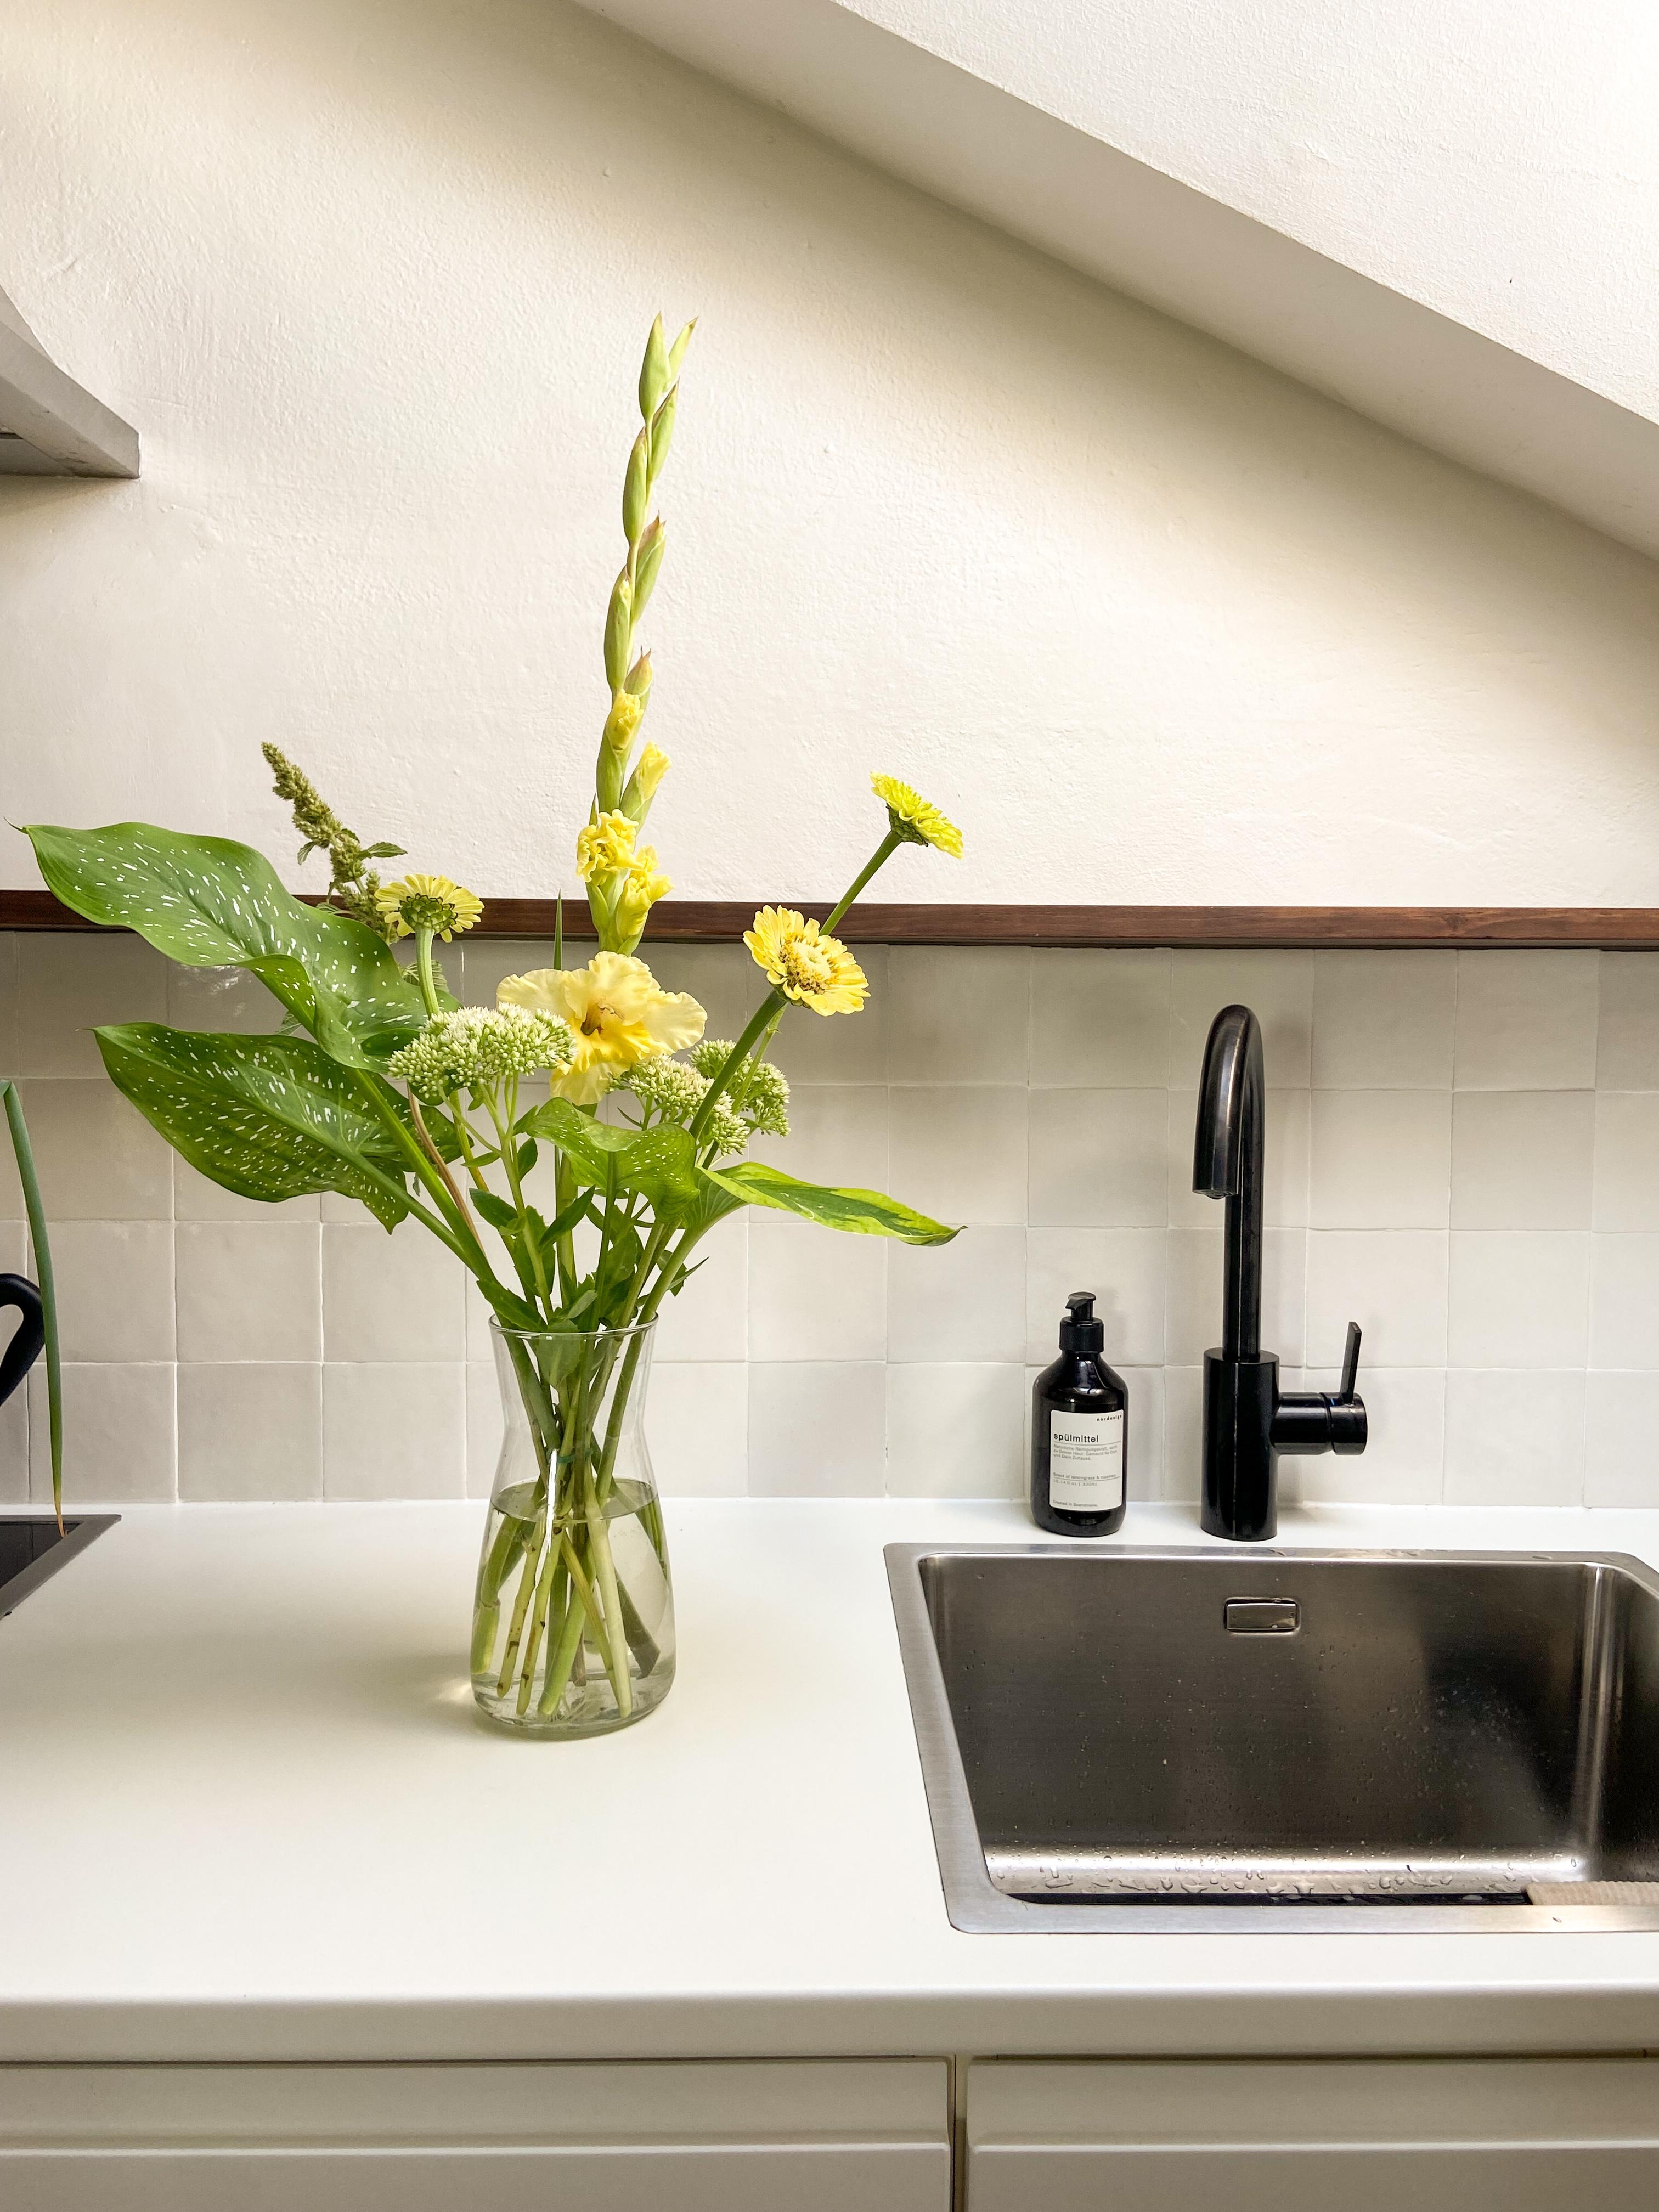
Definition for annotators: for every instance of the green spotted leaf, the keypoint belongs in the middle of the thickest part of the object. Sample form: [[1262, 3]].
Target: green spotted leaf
[[857, 1212], [210, 902], [659, 1163], [269, 1117]]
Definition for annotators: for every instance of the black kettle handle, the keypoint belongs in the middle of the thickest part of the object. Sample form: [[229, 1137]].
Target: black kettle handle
[[29, 1336]]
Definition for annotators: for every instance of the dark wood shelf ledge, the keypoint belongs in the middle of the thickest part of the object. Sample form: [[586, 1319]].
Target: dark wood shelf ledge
[[691, 921]]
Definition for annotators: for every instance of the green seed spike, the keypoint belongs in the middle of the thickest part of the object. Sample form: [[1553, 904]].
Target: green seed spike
[[662, 430], [636, 485], [654, 373], [677, 351]]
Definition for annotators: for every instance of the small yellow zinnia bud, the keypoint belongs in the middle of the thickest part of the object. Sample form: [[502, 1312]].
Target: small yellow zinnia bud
[[622, 722]]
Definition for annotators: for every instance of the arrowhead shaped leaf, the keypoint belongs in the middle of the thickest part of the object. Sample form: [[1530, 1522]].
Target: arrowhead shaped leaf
[[858, 1212], [210, 902], [269, 1117], [660, 1163]]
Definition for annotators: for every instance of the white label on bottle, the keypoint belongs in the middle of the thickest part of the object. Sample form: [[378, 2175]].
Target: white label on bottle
[[1085, 1460]]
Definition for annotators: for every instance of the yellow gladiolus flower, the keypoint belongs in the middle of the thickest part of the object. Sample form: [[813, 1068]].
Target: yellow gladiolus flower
[[627, 712], [416, 903], [605, 847], [915, 818], [617, 1013], [812, 969]]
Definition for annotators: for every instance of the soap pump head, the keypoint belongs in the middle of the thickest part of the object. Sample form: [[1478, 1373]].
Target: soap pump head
[[1080, 1331]]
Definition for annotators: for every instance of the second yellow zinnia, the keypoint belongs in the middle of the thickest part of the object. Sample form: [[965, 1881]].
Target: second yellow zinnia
[[807, 967]]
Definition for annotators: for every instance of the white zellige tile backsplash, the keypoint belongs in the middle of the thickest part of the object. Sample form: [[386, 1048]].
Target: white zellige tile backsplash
[[1463, 1156]]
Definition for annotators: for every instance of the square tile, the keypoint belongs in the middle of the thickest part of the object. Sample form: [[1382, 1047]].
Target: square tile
[[97, 1157], [814, 1293], [477, 964], [1624, 1329], [114, 1290], [1285, 1141], [958, 1151], [1526, 1021], [9, 1061], [1621, 1442], [708, 1318], [1100, 1019], [1277, 987], [837, 1135], [1183, 1435], [817, 1429], [1522, 1159], [484, 1428], [1627, 1036], [1514, 1439], [960, 1301], [198, 1197], [71, 982], [820, 1048], [1519, 1298], [1384, 1021], [958, 1013], [1380, 1159], [119, 1441], [250, 1430], [1098, 1159], [1404, 1458], [1626, 1193], [1392, 1281], [955, 1430], [1193, 1324], [397, 1297], [1127, 1271], [249, 1290], [697, 1421], [227, 1001], [394, 1431]]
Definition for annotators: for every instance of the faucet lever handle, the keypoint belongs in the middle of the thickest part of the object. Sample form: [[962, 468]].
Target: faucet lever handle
[[1348, 1387]]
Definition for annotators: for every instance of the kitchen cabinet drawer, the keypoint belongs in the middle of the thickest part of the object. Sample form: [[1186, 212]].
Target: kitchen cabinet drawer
[[762, 2137], [1272, 2135]]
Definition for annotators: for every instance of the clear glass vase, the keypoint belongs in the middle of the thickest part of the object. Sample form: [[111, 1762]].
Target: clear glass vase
[[573, 1621]]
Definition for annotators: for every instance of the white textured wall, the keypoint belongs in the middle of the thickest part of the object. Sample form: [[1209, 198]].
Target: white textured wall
[[370, 276], [1497, 161]]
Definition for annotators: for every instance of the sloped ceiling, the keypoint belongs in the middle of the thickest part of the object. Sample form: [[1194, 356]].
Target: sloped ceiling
[[1002, 156]]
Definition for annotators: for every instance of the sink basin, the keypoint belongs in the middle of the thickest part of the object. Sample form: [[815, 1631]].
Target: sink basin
[[32, 1547], [1134, 1739]]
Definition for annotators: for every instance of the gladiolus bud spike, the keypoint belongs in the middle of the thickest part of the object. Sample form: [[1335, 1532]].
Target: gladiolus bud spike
[[646, 562], [677, 351], [653, 372], [636, 486], [618, 632], [662, 429], [638, 678]]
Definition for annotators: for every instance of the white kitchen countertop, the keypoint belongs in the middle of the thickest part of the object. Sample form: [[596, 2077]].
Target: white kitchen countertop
[[247, 1812]]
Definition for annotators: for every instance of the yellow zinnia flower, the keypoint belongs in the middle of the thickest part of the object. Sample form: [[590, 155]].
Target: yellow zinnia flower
[[605, 847], [813, 971], [617, 1013], [915, 818], [431, 902]]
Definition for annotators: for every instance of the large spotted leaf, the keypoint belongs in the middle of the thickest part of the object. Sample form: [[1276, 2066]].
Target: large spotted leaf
[[858, 1212], [269, 1117], [209, 903]]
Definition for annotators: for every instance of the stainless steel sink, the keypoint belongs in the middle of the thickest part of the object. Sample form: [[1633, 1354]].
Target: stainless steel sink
[[1134, 1739]]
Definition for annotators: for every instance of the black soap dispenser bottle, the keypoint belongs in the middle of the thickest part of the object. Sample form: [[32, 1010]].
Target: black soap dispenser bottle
[[1079, 1431]]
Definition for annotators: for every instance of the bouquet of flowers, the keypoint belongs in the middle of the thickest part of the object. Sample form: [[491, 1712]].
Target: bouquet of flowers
[[592, 1080]]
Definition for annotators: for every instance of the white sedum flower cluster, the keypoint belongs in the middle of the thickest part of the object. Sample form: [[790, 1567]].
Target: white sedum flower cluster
[[475, 1045], [671, 1090]]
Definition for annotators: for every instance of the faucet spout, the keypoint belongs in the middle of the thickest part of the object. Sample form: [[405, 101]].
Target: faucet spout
[[1227, 1164], [1248, 1421]]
